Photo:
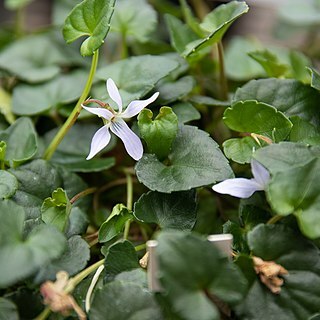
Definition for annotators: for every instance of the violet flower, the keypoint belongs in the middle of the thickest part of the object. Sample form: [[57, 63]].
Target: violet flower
[[113, 120], [244, 188]]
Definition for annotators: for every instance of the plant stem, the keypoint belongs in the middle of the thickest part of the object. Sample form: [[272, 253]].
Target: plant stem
[[140, 247], [222, 74], [274, 219], [19, 22], [129, 203], [83, 194], [76, 111], [124, 46]]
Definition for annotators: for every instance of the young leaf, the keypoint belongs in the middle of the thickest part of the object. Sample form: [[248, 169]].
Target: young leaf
[[115, 223], [6, 106], [215, 24], [55, 210], [21, 140], [89, 18], [299, 296], [160, 132], [240, 149], [192, 270], [315, 79], [256, 117], [19, 257], [195, 160], [176, 210]]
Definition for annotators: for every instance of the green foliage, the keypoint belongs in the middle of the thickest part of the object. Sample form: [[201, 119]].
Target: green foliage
[[89, 18], [176, 210], [205, 164], [160, 132]]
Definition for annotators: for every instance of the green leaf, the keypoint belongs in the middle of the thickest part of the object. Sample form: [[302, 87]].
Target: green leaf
[[176, 210], [240, 149], [36, 58], [299, 297], [89, 18], [191, 269], [19, 257], [21, 140], [289, 96], [8, 310], [270, 63], [128, 16], [123, 300], [136, 76], [239, 66], [216, 23], [115, 223], [175, 90], [286, 155], [35, 99], [195, 161], [120, 257], [257, 117], [296, 190], [159, 133], [303, 130], [16, 4], [8, 184], [6, 106], [37, 180], [73, 260], [315, 78], [185, 112], [55, 210]]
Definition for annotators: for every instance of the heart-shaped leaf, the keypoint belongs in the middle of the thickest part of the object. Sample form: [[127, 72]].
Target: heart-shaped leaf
[[8, 310], [256, 117], [299, 296], [195, 160], [55, 210], [19, 257], [176, 210], [186, 112], [160, 132], [89, 18]]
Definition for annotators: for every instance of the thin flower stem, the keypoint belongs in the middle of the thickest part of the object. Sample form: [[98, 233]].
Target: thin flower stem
[[129, 203], [124, 47], [140, 247], [274, 219], [76, 111], [83, 194], [222, 74], [44, 314], [19, 22]]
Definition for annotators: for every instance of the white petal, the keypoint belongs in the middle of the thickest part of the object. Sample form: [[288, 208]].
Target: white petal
[[100, 140], [131, 141], [238, 187], [260, 173], [136, 106], [114, 93], [101, 112]]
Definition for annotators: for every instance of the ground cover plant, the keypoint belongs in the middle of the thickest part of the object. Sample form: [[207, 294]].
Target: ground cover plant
[[125, 121]]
